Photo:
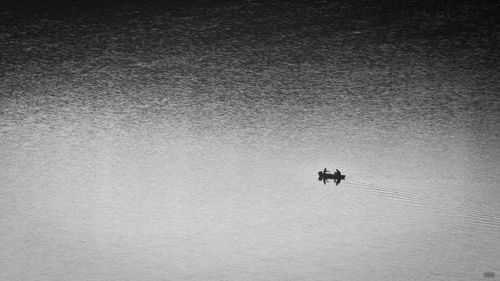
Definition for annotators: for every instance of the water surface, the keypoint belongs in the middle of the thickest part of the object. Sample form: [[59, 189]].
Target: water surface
[[167, 147]]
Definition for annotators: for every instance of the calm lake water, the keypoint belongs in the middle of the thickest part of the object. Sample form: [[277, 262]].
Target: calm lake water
[[163, 146]]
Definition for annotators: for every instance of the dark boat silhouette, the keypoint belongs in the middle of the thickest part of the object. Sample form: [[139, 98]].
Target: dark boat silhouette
[[324, 176]]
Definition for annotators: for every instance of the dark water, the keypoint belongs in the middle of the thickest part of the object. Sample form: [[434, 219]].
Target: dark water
[[184, 144]]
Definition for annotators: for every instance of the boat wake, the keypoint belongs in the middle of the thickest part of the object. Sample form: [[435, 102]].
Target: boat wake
[[469, 214]]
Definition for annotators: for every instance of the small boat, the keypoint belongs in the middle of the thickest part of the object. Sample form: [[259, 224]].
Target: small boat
[[324, 176]]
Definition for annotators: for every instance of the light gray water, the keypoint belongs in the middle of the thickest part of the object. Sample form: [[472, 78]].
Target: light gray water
[[207, 170]]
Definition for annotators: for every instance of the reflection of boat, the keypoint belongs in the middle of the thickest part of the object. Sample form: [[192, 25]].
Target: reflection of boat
[[337, 177]]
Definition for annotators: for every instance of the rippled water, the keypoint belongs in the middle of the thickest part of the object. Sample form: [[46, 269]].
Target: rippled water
[[201, 163]]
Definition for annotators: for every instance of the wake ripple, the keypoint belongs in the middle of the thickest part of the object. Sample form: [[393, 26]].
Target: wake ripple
[[471, 215]]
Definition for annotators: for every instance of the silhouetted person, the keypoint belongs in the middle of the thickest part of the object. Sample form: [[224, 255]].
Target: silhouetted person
[[337, 177], [323, 175]]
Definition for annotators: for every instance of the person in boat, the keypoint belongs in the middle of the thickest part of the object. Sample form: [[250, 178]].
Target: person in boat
[[322, 176], [337, 173], [337, 177]]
